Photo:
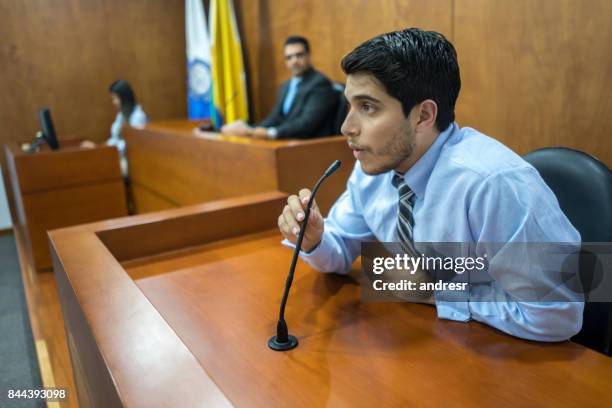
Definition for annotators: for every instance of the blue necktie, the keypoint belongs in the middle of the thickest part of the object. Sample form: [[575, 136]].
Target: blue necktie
[[291, 92]]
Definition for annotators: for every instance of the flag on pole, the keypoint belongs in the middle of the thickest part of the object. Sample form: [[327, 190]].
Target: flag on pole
[[199, 92], [229, 83]]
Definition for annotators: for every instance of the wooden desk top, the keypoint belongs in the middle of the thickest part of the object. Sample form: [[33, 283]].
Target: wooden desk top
[[222, 300], [205, 314], [184, 127]]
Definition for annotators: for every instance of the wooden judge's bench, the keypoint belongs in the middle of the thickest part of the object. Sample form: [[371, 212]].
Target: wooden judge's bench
[[171, 167]]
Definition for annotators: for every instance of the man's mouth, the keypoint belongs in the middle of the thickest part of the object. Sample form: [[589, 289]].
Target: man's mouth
[[358, 151]]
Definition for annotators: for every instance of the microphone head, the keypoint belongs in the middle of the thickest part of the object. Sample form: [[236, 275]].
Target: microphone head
[[334, 166]]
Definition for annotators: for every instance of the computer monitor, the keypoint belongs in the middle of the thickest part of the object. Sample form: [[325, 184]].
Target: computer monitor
[[46, 125], [45, 135]]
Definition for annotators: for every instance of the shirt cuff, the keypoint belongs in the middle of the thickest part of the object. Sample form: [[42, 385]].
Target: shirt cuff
[[272, 133], [319, 257]]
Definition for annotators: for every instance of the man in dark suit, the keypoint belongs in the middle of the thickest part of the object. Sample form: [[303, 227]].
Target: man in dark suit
[[305, 105]]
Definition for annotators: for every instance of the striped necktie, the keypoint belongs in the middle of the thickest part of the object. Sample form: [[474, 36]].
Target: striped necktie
[[405, 219]]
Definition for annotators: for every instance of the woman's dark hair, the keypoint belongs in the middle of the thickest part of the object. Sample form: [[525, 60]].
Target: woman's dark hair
[[126, 96], [413, 65], [297, 39]]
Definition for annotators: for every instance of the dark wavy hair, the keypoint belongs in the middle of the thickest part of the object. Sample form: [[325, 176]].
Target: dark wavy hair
[[298, 39], [413, 65], [126, 96]]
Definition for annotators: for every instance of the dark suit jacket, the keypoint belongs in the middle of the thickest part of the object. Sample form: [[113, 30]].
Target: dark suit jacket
[[312, 111]]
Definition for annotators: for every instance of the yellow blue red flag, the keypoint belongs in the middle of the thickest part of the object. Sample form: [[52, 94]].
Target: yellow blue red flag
[[229, 81]]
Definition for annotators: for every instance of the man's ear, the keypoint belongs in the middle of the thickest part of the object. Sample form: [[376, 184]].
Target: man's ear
[[428, 112]]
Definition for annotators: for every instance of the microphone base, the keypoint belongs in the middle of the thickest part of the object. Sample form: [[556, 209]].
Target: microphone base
[[291, 343]]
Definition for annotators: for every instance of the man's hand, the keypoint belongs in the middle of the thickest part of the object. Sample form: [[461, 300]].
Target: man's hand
[[236, 128], [87, 144], [292, 217], [260, 133]]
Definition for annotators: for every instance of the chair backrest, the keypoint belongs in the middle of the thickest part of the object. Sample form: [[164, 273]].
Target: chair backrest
[[583, 186], [341, 108]]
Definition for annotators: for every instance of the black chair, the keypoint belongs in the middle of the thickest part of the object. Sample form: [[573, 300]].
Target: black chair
[[341, 108], [583, 186]]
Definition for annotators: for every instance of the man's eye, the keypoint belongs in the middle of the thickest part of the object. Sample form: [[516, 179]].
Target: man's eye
[[367, 108]]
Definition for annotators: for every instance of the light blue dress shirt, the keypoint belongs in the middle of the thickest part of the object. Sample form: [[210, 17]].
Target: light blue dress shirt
[[138, 119], [291, 92], [469, 188]]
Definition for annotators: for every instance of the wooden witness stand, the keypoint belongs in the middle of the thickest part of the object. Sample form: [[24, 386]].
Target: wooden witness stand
[[55, 189], [175, 309]]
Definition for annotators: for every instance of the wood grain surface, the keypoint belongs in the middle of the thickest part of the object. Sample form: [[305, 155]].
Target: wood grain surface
[[197, 319], [170, 166], [54, 189], [65, 54], [223, 301], [535, 73]]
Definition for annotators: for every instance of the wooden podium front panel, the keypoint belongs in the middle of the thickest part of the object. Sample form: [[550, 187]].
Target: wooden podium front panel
[[171, 167], [222, 300], [66, 167], [54, 209], [184, 169], [60, 188]]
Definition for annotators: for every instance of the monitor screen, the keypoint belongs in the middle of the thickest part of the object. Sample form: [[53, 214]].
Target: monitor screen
[[47, 128]]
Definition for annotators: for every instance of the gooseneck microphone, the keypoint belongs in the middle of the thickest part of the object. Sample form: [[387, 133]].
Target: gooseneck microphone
[[283, 341]]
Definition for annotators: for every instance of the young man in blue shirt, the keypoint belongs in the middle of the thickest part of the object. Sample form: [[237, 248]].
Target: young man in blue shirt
[[419, 177]]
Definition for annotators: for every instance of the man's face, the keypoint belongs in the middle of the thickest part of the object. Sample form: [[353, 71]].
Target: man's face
[[381, 137], [297, 59]]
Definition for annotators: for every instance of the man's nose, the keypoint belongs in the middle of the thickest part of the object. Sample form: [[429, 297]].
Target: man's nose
[[349, 127]]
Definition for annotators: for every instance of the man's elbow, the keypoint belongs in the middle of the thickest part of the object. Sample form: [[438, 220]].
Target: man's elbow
[[552, 322]]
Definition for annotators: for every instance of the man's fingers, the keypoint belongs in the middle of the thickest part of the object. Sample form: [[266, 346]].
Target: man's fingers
[[290, 220], [284, 228], [305, 196], [296, 207]]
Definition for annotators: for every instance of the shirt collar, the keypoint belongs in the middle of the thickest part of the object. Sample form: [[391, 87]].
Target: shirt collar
[[418, 175]]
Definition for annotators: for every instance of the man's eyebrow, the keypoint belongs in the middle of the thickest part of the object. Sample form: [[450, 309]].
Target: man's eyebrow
[[363, 97]]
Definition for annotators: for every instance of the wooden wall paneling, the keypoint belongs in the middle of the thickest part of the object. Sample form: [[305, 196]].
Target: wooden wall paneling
[[64, 55], [54, 54], [147, 47], [333, 29], [537, 73]]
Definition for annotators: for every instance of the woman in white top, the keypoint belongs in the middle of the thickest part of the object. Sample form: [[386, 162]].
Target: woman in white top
[[129, 114]]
